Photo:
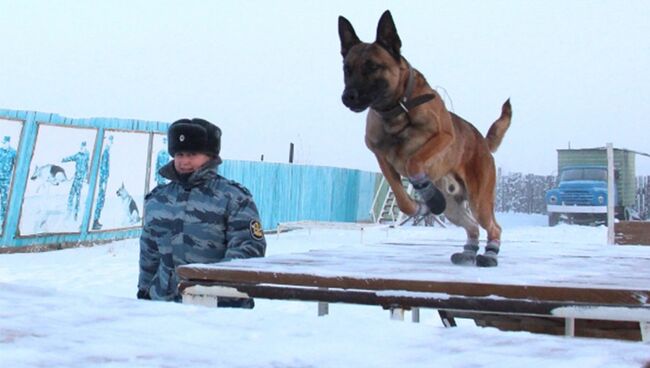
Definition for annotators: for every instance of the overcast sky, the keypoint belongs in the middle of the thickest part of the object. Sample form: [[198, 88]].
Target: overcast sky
[[269, 72]]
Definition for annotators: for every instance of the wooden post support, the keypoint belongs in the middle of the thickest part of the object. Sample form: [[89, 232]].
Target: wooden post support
[[397, 314], [323, 309], [446, 318]]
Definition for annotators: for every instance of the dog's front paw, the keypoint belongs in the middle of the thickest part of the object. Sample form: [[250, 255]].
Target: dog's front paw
[[432, 196], [437, 202]]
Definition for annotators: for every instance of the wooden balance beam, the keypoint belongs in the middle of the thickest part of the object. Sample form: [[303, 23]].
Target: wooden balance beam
[[410, 276]]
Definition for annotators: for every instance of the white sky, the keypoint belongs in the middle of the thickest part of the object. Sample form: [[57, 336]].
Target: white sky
[[269, 72]]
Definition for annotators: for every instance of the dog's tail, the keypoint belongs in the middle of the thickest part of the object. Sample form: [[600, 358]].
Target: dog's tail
[[499, 127]]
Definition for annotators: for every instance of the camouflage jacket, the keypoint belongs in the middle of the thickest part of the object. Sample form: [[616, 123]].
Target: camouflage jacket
[[205, 219]]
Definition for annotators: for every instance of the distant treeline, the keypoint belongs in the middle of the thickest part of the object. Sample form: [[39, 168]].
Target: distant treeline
[[524, 193]]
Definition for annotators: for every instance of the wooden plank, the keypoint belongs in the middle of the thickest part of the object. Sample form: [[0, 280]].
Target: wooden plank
[[624, 330], [632, 232], [425, 262], [513, 291], [402, 300]]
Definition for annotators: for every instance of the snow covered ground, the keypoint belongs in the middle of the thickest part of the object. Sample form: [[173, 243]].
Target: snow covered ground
[[77, 308]]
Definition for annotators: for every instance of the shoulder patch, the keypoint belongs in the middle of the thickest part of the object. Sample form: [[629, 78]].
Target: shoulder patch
[[256, 230]]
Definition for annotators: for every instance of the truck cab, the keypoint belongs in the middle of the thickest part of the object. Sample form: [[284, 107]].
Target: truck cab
[[580, 193], [580, 196]]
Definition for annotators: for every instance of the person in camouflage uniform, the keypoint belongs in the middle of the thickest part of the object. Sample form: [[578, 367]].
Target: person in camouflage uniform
[[80, 174], [104, 167], [198, 217], [161, 160], [7, 162]]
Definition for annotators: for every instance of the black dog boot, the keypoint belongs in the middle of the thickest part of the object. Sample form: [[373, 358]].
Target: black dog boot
[[468, 256], [431, 196], [489, 258]]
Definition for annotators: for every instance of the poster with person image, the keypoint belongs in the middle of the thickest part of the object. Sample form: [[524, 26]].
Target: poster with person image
[[57, 187], [10, 131], [159, 158], [120, 186]]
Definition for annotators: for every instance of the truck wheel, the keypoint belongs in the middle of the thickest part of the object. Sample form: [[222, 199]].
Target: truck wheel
[[553, 219]]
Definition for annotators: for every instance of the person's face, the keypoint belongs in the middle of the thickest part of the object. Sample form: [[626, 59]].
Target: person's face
[[187, 162]]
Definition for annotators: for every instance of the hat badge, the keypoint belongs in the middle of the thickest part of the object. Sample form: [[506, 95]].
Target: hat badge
[[181, 138]]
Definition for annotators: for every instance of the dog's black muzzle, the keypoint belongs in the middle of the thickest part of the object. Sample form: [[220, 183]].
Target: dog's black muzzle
[[352, 100]]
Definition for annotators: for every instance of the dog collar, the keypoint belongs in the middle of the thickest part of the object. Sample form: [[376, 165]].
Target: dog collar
[[406, 103]]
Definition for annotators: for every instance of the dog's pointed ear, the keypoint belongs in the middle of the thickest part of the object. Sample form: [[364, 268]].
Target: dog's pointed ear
[[347, 35], [387, 35]]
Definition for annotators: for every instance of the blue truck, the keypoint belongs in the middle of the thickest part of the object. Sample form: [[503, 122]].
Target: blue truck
[[580, 195]]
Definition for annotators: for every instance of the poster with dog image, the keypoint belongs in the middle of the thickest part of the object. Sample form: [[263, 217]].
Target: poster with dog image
[[9, 138], [57, 187], [159, 158], [120, 187]]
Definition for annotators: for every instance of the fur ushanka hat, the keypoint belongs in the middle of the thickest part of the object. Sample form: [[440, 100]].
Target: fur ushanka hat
[[196, 135]]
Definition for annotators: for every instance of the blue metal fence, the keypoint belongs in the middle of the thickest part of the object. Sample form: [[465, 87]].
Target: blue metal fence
[[283, 192]]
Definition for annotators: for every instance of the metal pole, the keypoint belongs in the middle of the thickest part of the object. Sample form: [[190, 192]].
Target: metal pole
[[415, 315], [569, 326], [290, 153], [611, 194]]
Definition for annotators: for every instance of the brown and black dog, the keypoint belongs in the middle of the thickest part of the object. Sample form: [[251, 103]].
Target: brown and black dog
[[412, 134]]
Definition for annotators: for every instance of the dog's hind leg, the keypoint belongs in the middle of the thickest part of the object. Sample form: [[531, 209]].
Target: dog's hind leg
[[487, 220], [489, 223], [460, 214]]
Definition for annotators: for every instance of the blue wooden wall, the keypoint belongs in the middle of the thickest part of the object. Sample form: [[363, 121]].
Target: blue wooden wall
[[282, 192], [286, 192]]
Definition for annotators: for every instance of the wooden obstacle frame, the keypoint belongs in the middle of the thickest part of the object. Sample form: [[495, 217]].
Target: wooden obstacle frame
[[613, 307]]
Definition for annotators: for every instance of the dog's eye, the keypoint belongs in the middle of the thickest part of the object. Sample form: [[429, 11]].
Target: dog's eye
[[370, 67]]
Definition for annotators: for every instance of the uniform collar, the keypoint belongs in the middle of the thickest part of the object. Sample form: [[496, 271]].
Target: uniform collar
[[207, 171]]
